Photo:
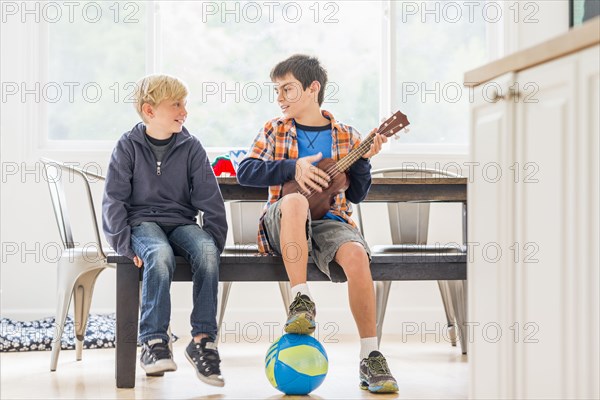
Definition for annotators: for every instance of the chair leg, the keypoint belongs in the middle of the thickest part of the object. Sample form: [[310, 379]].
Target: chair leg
[[225, 288], [62, 308], [449, 309], [286, 294], [82, 300], [382, 293], [458, 292]]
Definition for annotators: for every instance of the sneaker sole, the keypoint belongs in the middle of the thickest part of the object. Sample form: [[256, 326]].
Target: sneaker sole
[[159, 368], [300, 325], [203, 378], [385, 387]]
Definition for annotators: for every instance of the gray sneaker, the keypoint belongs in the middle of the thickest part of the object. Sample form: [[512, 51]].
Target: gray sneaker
[[375, 375], [301, 316], [204, 356]]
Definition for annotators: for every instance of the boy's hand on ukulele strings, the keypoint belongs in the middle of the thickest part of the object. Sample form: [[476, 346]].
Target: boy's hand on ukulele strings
[[310, 177], [378, 141]]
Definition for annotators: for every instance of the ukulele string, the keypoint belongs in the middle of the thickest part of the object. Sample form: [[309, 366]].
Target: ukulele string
[[333, 171]]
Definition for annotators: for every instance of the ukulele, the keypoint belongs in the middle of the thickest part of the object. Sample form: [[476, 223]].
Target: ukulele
[[320, 202]]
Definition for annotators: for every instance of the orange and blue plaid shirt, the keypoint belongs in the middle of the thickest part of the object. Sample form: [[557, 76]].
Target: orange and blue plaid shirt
[[277, 141]]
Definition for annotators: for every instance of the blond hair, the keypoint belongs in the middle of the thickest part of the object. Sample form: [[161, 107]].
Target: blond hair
[[153, 89]]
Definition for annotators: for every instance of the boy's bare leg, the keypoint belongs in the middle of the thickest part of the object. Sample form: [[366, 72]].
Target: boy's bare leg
[[294, 247], [353, 258], [374, 372], [294, 250]]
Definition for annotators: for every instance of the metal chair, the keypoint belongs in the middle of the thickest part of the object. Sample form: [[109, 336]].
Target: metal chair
[[409, 223], [78, 267]]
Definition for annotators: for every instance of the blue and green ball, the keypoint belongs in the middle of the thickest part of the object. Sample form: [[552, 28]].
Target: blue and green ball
[[296, 364]]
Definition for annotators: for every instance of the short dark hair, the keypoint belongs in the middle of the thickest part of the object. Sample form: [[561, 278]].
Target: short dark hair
[[304, 68]]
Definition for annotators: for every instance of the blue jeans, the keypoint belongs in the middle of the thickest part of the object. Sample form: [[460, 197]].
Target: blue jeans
[[157, 247]]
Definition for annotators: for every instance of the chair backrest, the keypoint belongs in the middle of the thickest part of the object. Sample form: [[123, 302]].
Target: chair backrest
[[55, 173], [409, 222], [244, 221]]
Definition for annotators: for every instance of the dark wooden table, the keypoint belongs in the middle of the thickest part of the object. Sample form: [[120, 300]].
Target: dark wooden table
[[382, 190]]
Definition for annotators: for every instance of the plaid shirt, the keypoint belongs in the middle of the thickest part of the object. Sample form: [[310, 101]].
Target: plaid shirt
[[277, 141]]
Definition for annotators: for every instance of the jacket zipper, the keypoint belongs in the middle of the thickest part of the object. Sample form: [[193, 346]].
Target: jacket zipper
[[158, 168]]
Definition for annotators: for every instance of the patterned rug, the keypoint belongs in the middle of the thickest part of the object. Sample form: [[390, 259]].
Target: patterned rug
[[39, 335]]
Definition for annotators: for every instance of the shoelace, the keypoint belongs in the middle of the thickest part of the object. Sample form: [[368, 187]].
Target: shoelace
[[208, 358], [299, 304], [378, 365], [160, 351]]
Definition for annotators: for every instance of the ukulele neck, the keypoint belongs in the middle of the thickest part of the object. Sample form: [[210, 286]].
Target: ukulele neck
[[346, 162]]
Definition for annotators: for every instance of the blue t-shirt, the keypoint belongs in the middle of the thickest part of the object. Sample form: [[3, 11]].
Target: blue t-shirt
[[313, 140]]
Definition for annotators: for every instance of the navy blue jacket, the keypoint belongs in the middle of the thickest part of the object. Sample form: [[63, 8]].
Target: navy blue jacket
[[135, 193]]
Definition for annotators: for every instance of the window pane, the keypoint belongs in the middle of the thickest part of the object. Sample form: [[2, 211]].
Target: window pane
[[224, 51], [92, 64], [436, 42]]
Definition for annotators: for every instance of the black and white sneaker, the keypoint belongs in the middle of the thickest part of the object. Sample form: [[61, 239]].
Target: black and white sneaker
[[156, 358], [204, 356]]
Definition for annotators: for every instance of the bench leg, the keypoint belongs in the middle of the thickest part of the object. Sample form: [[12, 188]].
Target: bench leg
[[382, 293], [225, 288], [128, 305], [458, 292], [449, 309]]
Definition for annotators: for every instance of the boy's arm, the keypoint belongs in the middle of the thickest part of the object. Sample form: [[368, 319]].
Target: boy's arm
[[260, 173], [117, 191], [259, 169], [360, 181], [206, 196]]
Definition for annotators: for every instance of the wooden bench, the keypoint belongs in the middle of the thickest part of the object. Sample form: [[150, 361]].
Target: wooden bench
[[389, 263]]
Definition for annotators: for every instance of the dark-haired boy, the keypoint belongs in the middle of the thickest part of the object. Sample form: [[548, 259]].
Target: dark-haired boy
[[285, 149]]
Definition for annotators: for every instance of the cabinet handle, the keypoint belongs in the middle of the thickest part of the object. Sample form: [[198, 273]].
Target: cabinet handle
[[512, 94]]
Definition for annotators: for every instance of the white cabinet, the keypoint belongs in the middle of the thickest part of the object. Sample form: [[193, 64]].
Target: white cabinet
[[488, 204], [533, 230]]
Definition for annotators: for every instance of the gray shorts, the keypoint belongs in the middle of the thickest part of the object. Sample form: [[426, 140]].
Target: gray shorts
[[325, 236]]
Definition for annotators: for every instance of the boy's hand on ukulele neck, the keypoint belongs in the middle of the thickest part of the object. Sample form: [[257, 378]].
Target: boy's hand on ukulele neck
[[378, 141], [310, 177]]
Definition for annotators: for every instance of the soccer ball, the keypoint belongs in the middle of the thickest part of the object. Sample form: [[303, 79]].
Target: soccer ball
[[296, 364]]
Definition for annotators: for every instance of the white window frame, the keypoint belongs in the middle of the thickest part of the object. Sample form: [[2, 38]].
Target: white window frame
[[38, 144]]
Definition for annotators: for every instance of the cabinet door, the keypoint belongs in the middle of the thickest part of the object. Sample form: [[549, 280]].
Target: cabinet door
[[488, 228], [545, 137]]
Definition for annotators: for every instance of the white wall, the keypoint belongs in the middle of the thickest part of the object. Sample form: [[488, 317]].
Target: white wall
[[533, 22], [27, 278]]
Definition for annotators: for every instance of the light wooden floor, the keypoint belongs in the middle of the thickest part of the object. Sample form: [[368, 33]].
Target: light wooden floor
[[423, 370]]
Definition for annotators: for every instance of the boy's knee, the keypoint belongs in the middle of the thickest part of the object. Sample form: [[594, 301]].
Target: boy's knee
[[354, 255], [159, 256], [209, 254], [294, 204]]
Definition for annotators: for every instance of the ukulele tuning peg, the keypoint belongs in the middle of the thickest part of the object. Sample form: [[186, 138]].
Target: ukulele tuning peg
[[396, 137], [406, 130]]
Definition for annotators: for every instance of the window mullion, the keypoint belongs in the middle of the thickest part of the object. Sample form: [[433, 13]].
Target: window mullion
[[153, 48], [387, 59]]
